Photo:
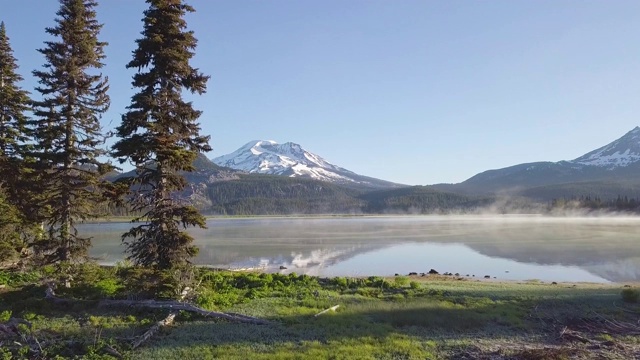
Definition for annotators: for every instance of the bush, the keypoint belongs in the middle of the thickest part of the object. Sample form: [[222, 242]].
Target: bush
[[414, 285], [212, 300], [18, 278], [142, 283], [377, 282], [108, 287], [340, 282], [5, 315], [400, 281], [630, 295], [8, 253], [5, 354]]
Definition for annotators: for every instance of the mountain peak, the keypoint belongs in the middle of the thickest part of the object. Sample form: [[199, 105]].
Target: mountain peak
[[270, 157], [612, 163], [290, 159], [621, 152]]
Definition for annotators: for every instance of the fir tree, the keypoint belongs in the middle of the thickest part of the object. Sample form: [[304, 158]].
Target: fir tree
[[66, 131], [17, 227], [11, 244], [160, 137], [14, 104]]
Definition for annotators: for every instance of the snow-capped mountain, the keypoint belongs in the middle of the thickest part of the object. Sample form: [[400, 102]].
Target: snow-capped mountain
[[622, 152], [618, 161], [290, 159]]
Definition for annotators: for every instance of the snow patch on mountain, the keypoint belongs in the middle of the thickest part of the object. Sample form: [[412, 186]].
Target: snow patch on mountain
[[613, 160], [269, 157], [620, 153]]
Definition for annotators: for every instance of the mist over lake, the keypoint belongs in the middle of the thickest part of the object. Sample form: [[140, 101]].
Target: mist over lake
[[594, 249]]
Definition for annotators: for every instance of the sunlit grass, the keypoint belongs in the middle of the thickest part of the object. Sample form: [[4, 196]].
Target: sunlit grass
[[269, 346], [377, 318]]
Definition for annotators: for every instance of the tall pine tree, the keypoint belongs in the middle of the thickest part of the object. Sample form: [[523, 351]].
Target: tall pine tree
[[14, 104], [66, 129], [160, 137]]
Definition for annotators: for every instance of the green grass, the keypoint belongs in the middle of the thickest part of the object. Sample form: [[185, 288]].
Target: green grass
[[378, 318]]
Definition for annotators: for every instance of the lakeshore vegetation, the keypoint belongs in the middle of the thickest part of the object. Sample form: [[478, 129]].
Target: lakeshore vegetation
[[403, 317]]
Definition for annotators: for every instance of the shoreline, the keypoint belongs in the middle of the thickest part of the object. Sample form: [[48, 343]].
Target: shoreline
[[482, 216], [433, 278]]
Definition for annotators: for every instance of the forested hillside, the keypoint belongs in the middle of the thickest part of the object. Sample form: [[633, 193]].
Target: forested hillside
[[252, 194], [421, 200], [606, 190], [272, 194]]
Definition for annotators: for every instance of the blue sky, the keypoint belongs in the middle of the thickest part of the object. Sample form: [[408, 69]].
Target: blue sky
[[415, 92]]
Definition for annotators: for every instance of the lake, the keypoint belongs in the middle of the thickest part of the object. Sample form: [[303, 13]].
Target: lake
[[593, 249]]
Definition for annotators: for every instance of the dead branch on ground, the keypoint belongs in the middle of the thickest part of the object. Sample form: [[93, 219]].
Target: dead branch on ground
[[172, 305]]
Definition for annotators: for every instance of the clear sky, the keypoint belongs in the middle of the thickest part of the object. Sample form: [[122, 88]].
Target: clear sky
[[416, 92]]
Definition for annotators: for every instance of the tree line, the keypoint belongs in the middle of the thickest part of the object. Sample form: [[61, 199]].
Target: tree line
[[52, 145], [620, 203], [253, 194]]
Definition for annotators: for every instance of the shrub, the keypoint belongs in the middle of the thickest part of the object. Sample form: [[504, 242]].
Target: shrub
[[5, 354], [630, 295], [369, 292], [414, 285], [140, 282], [400, 281], [8, 253], [375, 281], [108, 287], [17, 278], [5, 315], [212, 300], [340, 282], [267, 278]]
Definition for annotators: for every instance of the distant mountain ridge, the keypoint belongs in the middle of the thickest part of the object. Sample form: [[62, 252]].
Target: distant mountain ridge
[[220, 190], [290, 159], [615, 163], [264, 177]]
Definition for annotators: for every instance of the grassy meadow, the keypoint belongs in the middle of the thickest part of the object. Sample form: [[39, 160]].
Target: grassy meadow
[[405, 317]]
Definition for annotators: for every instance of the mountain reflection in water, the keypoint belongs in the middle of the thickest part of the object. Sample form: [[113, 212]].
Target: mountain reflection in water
[[507, 247]]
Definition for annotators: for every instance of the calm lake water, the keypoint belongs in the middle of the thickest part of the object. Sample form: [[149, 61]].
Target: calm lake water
[[505, 247]]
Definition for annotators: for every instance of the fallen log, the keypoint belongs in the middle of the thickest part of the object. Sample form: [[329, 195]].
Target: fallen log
[[174, 306], [10, 328], [149, 333], [333, 308], [113, 352], [178, 306], [162, 304], [571, 335], [160, 324]]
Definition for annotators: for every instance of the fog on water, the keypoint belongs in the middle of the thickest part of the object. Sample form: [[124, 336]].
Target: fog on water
[[511, 247]]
